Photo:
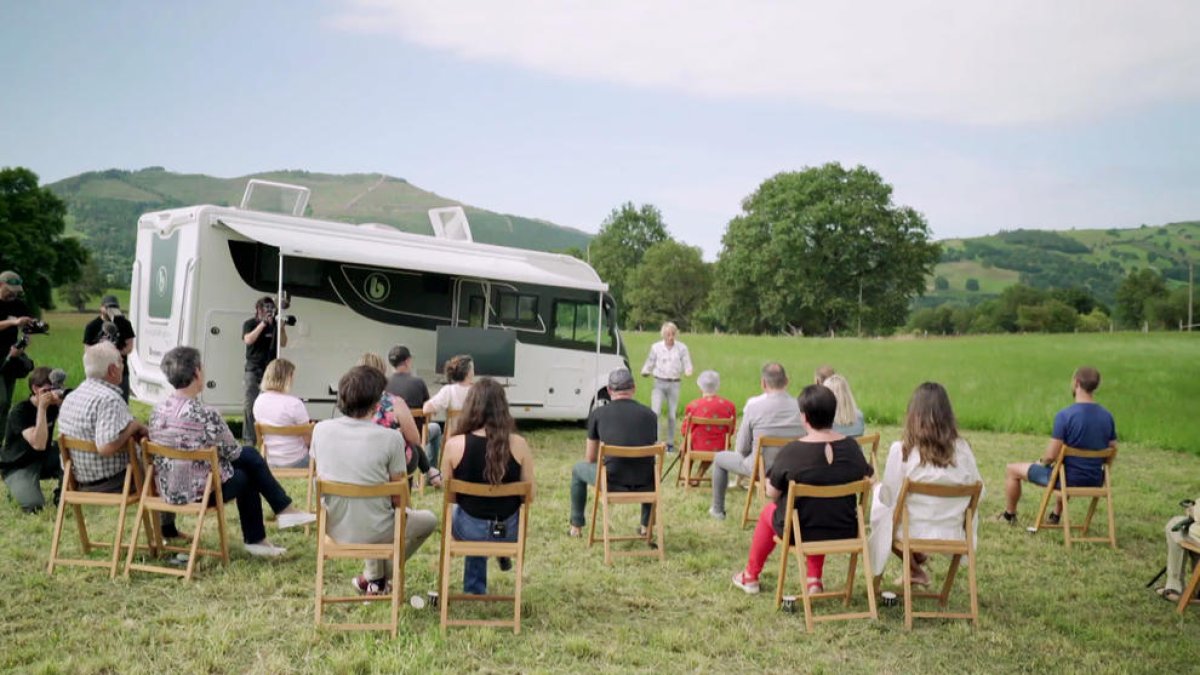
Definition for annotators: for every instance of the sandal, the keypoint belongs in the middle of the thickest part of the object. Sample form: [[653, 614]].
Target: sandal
[[1168, 594]]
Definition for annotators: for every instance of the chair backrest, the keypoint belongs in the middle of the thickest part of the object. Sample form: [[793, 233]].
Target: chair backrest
[[418, 415], [327, 488], [631, 451], [726, 424], [971, 491], [1109, 455], [522, 489], [261, 431], [152, 450], [772, 444], [66, 444], [861, 488], [451, 422], [871, 440]]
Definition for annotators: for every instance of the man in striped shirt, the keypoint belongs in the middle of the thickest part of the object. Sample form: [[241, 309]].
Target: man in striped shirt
[[668, 362]]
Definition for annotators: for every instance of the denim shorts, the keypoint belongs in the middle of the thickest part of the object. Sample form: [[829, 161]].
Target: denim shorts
[[1039, 474]]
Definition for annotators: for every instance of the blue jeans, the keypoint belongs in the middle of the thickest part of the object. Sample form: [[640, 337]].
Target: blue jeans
[[583, 474], [435, 445], [250, 483], [466, 527]]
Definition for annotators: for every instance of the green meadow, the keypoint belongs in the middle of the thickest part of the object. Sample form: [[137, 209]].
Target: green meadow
[[1042, 607]]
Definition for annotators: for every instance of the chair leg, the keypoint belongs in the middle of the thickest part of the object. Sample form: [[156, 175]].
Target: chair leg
[[191, 566], [1087, 521], [605, 532], [944, 598], [907, 586], [973, 589], [1190, 591], [1066, 520], [1040, 518], [1112, 521], [84, 540], [783, 562], [116, 554], [223, 531], [397, 589], [850, 570], [595, 506], [658, 523], [445, 587], [809, 619], [749, 500]]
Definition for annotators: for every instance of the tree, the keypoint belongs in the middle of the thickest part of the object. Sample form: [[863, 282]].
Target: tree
[[941, 283], [625, 236], [1138, 289], [669, 285], [973, 285], [1051, 316], [91, 282], [821, 250], [31, 237]]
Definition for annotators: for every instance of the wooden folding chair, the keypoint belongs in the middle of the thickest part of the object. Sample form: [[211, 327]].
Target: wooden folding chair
[[305, 430], [956, 548], [702, 459], [151, 502], [76, 499], [873, 441], [329, 549], [422, 422], [1189, 592], [1057, 487], [855, 547], [604, 498], [452, 547], [759, 475]]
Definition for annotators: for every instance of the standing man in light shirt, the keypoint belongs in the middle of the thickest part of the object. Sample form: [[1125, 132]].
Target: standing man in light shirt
[[669, 362]]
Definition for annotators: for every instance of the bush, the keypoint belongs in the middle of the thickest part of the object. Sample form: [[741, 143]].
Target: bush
[[973, 285]]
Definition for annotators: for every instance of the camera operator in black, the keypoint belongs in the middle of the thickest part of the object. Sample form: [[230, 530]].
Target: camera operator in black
[[14, 315], [259, 335], [102, 328], [29, 455]]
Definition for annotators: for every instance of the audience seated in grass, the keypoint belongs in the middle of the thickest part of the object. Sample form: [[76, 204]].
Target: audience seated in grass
[[821, 457], [1083, 425], [276, 407], [623, 422], [353, 449], [393, 413], [706, 437], [489, 452], [460, 372], [184, 423], [30, 455], [771, 413], [849, 419], [931, 451]]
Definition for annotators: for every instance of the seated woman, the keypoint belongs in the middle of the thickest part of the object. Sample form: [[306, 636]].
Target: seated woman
[[276, 407], [848, 420], [706, 437], [460, 371], [393, 413], [492, 453], [821, 457], [353, 449], [183, 422], [930, 451]]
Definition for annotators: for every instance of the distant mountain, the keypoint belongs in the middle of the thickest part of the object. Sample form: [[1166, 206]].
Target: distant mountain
[[1093, 259], [103, 207]]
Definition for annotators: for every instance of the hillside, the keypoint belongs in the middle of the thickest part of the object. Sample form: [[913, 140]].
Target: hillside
[[1092, 259], [103, 207]]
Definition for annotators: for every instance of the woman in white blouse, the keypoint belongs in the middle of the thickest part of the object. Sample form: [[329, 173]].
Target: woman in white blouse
[[930, 451], [460, 371]]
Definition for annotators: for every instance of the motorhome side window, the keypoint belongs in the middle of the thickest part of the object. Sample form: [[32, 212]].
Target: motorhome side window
[[575, 322], [518, 310]]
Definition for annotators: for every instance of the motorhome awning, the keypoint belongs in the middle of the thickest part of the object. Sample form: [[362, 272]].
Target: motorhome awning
[[399, 250]]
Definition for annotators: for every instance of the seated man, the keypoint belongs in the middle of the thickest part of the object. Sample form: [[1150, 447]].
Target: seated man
[[353, 449], [29, 455], [1179, 528], [183, 422], [707, 437], [771, 413], [1084, 425], [623, 422]]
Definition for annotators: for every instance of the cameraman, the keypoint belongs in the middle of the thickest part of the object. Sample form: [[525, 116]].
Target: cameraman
[[112, 325], [14, 315], [29, 456], [259, 335]]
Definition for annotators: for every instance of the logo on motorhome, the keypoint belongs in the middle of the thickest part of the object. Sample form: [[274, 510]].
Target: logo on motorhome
[[377, 287], [160, 279]]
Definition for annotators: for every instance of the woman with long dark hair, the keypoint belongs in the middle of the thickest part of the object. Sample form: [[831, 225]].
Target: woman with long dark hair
[[489, 452]]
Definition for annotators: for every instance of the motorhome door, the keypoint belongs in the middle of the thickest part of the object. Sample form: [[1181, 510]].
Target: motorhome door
[[471, 300]]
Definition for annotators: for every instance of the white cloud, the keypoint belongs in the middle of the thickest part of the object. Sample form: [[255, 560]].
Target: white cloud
[[994, 63]]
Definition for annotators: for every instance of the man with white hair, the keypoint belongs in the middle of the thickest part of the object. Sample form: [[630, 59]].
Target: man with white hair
[[669, 362], [706, 437]]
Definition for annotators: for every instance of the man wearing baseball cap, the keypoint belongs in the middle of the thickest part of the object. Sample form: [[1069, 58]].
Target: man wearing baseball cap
[[112, 325], [14, 314]]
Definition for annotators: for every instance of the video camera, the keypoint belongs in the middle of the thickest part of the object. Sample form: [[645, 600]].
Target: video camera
[[58, 382], [271, 310], [35, 327]]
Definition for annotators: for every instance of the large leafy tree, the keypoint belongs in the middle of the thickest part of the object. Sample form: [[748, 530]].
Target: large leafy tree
[[625, 236], [821, 250], [31, 237], [1137, 293], [669, 285]]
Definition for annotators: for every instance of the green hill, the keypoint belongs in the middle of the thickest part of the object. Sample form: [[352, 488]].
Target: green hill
[[103, 207], [1093, 259]]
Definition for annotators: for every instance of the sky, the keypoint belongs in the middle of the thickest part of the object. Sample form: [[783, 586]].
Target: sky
[[983, 116]]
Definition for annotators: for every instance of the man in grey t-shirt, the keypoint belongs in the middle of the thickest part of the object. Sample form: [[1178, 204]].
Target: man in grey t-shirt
[[772, 413], [353, 449]]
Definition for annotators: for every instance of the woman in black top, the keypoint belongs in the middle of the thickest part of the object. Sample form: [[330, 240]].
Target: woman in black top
[[491, 452], [820, 457]]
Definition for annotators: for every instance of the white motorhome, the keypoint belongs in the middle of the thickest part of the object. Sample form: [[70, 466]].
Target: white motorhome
[[541, 323]]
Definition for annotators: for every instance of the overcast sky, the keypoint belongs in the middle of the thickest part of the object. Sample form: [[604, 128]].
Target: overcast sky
[[984, 116]]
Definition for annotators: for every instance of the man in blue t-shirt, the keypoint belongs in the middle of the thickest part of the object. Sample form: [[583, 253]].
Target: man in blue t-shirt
[[1084, 425]]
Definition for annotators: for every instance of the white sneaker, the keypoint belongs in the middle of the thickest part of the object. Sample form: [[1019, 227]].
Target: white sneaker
[[286, 520], [265, 550]]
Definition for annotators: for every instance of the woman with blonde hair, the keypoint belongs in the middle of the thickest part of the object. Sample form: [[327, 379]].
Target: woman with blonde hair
[[393, 413], [848, 420], [930, 451], [277, 407]]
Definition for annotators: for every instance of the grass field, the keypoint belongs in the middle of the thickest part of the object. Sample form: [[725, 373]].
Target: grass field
[[1042, 607]]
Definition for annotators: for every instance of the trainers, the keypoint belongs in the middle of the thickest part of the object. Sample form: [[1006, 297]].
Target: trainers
[[265, 550], [506, 564], [748, 585], [719, 515], [287, 520], [367, 587], [1006, 517], [1053, 518]]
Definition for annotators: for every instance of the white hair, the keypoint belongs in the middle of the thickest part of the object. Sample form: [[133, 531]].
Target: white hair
[[847, 409], [709, 381], [98, 358], [668, 327]]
